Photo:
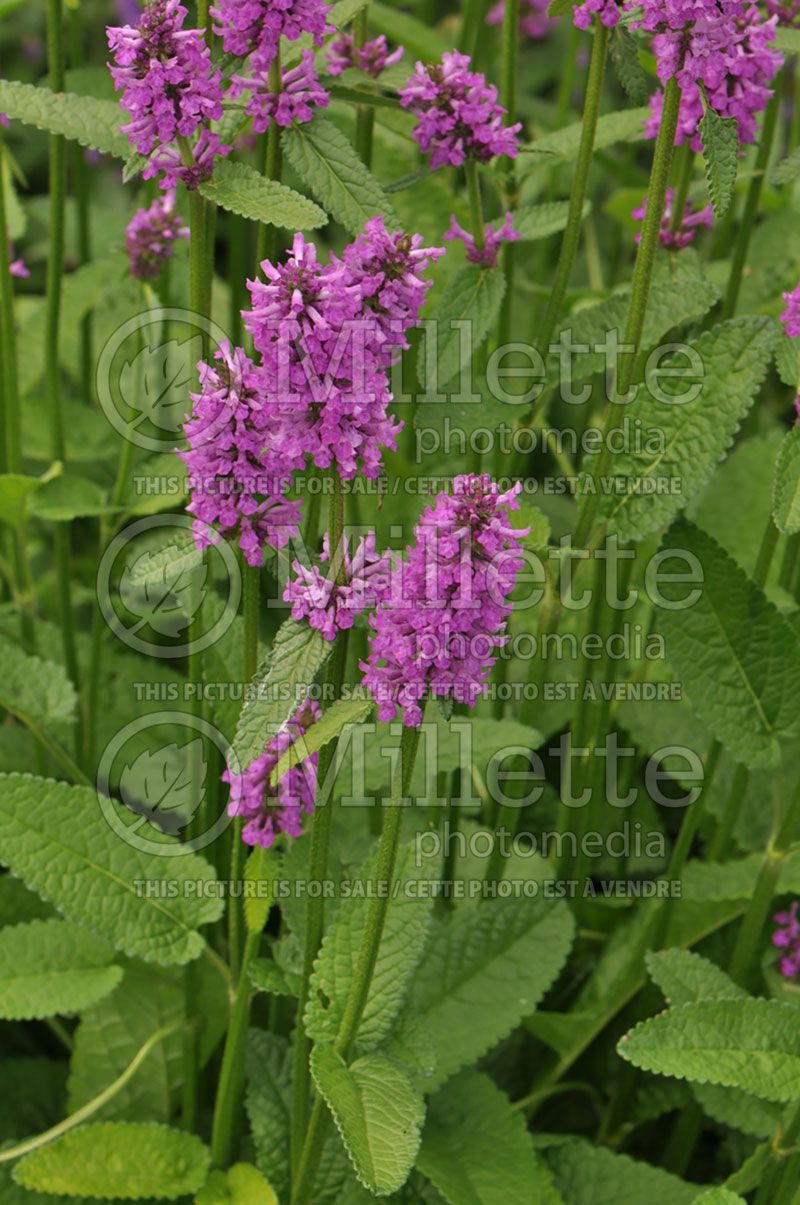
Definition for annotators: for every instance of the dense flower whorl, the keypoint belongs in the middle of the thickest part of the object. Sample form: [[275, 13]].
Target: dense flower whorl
[[372, 58], [330, 605], [269, 811], [492, 240], [534, 22], [787, 939], [237, 478], [168, 82], [301, 93], [257, 26], [607, 12], [443, 614], [459, 116], [791, 315], [151, 234], [690, 221]]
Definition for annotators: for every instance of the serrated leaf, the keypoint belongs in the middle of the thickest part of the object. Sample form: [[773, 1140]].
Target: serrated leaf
[[472, 298], [340, 715], [36, 691], [679, 443], [720, 137], [328, 164], [51, 968], [625, 126], [594, 1175], [630, 73], [737, 658], [786, 497], [476, 1147], [684, 976], [483, 970], [241, 189], [117, 1161], [533, 222], [297, 655], [377, 1111], [54, 837], [749, 1044], [93, 123]]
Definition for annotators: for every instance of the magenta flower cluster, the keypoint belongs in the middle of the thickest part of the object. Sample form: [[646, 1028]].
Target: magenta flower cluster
[[151, 235], [300, 93], [787, 939], [268, 811], [492, 240], [459, 115], [607, 12], [722, 49], [791, 315], [690, 221], [331, 602], [534, 22], [443, 615], [372, 58]]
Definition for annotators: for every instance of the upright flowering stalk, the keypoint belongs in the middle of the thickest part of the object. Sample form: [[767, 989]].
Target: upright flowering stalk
[[300, 92], [372, 58], [151, 235], [331, 603], [534, 22], [255, 27], [443, 616], [672, 236]]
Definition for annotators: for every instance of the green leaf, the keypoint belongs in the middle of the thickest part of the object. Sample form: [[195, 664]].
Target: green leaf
[[92, 123], [625, 126], [476, 1147], [719, 1196], [241, 189], [241, 1184], [377, 1112], [485, 969], [267, 976], [737, 658], [678, 443], [261, 871], [560, 8], [749, 1044], [325, 160], [15, 490], [786, 497], [720, 137], [340, 715], [36, 691], [419, 39], [51, 968], [787, 170], [533, 222], [117, 1161], [401, 947], [787, 39], [472, 297], [684, 977], [630, 73], [594, 1175], [54, 837], [282, 682], [67, 497]]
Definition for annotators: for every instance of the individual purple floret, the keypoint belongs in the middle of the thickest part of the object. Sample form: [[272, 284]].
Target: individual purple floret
[[444, 612], [257, 26], [791, 315], [787, 938], [269, 811], [17, 266], [151, 234], [607, 12], [675, 239], [459, 117], [331, 606], [534, 22], [492, 240], [372, 58], [236, 474], [169, 163], [301, 93]]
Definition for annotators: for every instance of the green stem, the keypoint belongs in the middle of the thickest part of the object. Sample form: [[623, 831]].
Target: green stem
[[365, 114], [572, 231], [508, 59], [683, 179], [231, 1075], [81, 188], [742, 247], [475, 203], [267, 244]]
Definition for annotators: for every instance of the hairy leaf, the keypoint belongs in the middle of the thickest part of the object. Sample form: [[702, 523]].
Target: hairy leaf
[[720, 137], [93, 123], [51, 968], [241, 189], [786, 497]]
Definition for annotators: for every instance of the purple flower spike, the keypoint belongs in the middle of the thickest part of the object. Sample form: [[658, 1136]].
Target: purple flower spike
[[444, 612], [787, 938], [791, 315], [269, 811], [607, 11], [237, 476], [257, 26], [493, 240], [301, 93], [675, 239], [372, 58], [459, 117], [329, 606], [534, 22], [151, 234]]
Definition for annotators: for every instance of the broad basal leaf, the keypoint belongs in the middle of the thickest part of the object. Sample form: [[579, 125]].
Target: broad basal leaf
[[241, 189], [51, 968], [322, 157], [466, 313], [749, 1044], [737, 657], [786, 500], [594, 1175], [377, 1111], [55, 838], [720, 138], [117, 1161], [92, 123]]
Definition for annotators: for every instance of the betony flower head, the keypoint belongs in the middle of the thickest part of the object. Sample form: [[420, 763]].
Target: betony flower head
[[459, 116], [534, 22], [787, 939], [492, 240], [301, 93], [607, 12], [331, 605], [237, 477], [691, 220], [444, 612], [268, 811], [151, 234], [372, 58], [791, 315], [257, 26]]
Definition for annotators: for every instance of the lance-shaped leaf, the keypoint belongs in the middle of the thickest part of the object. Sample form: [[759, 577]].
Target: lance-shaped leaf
[[50, 968], [786, 498], [467, 311], [720, 136], [340, 715], [630, 73], [241, 189], [736, 655], [93, 123]]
